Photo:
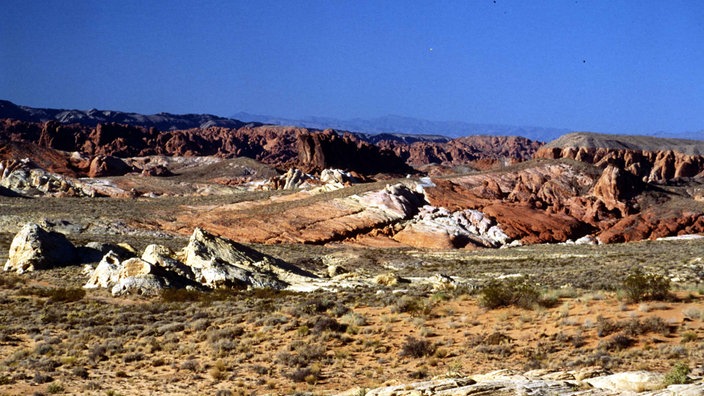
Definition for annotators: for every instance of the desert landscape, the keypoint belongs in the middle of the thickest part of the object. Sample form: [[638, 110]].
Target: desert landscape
[[195, 254]]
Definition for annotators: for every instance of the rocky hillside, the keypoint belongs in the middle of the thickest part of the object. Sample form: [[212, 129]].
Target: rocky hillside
[[117, 134], [650, 159], [480, 151]]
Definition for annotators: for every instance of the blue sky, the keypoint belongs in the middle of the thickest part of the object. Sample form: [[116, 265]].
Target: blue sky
[[606, 66]]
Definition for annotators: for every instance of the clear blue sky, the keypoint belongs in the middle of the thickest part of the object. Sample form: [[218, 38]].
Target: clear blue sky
[[608, 66]]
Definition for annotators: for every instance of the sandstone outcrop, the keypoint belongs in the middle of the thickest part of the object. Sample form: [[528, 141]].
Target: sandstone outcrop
[[650, 159], [34, 248], [130, 276], [24, 177], [308, 218], [482, 152], [327, 149], [208, 261], [557, 201], [107, 165], [440, 228], [283, 147], [588, 381]]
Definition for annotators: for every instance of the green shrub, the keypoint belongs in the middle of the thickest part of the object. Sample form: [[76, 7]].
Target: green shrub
[[509, 292], [640, 286], [678, 374]]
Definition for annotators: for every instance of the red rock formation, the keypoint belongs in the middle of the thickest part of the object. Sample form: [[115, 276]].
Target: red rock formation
[[106, 165], [318, 151], [46, 158], [482, 151], [651, 166], [616, 188]]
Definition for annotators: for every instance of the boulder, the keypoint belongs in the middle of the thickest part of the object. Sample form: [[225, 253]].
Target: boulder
[[34, 248], [219, 262], [131, 276], [162, 256], [106, 273], [336, 176], [107, 165], [632, 381]]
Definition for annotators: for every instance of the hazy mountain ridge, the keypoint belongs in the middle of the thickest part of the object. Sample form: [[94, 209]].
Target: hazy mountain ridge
[[409, 125], [392, 127], [92, 117]]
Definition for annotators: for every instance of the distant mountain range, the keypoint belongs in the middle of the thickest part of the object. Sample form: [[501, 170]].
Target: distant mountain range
[[92, 117], [393, 124], [392, 127]]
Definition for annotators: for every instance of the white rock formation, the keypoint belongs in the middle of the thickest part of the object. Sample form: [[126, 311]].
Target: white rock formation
[[217, 261], [336, 176], [131, 276], [583, 382], [469, 225], [35, 248], [26, 178], [632, 381]]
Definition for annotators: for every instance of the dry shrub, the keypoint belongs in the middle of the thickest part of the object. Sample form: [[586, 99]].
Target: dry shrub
[[417, 348], [509, 292]]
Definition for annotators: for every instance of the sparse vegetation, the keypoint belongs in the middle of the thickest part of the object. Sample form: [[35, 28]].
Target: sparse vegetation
[[417, 348], [515, 291], [678, 374], [291, 343], [640, 286]]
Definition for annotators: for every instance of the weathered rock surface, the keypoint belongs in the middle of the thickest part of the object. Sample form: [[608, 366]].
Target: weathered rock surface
[[24, 177], [218, 262], [480, 151], [34, 248], [107, 165], [550, 201], [586, 382], [440, 228], [650, 159], [634, 381], [208, 261], [309, 218], [327, 149]]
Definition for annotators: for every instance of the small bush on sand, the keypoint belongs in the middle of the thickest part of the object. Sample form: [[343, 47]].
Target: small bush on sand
[[509, 292], [640, 286], [417, 348]]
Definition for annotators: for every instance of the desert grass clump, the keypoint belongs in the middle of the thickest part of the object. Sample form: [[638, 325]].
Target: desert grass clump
[[605, 326], [417, 348], [415, 306], [509, 292], [689, 336], [640, 286]]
